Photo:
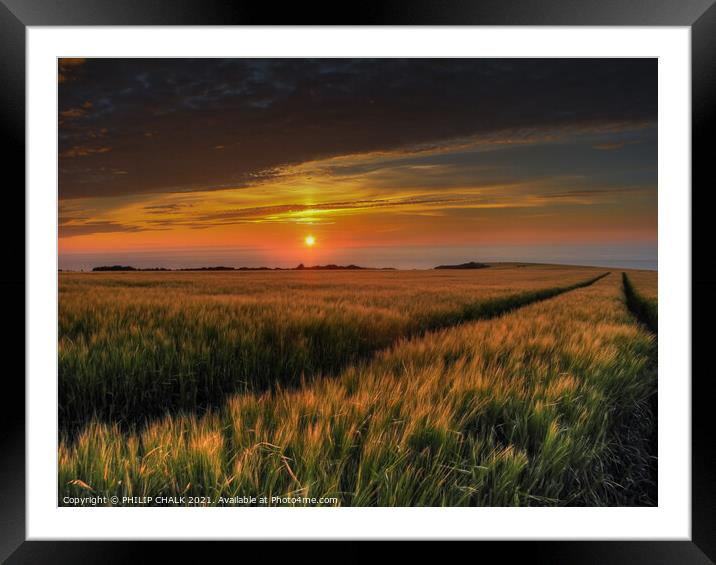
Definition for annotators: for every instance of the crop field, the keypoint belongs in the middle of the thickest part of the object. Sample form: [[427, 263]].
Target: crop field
[[645, 282], [136, 343], [511, 385]]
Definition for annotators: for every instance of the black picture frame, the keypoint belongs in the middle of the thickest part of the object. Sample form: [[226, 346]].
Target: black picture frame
[[17, 15]]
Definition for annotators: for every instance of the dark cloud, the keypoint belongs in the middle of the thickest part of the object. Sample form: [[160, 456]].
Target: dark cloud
[[68, 229], [202, 124], [166, 208]]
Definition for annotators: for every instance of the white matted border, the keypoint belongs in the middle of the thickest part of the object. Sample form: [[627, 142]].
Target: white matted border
[[670, 520]]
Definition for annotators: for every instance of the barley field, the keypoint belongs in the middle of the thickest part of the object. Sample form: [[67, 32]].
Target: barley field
[[512, 385], [645, 283], [137, 344]]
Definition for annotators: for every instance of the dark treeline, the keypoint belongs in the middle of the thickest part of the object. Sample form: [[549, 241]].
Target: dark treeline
[[300, 267], [470, 265]]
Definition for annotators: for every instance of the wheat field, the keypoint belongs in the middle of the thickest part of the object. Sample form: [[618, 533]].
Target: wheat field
[[134, 345], [371, 388]]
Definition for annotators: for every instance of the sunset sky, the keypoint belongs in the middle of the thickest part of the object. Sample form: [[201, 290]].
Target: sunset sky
[[385, 162]]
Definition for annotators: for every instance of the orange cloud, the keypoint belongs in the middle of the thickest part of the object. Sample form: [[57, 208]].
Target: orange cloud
[[83, 151], [66, 67], [76, 112], [612, 146]]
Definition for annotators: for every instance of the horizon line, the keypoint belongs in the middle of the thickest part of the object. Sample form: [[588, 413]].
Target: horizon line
[[107, 268]]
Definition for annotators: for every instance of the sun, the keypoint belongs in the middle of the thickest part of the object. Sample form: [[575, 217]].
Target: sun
[[310, 240]]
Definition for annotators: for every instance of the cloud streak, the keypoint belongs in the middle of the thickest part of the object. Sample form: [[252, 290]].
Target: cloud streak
[[94, 227]]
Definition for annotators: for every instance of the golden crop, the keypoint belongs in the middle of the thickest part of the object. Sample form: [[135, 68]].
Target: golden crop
[[410, 400]]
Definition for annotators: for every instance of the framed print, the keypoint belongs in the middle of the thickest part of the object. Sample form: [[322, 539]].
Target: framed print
[[394, 278]]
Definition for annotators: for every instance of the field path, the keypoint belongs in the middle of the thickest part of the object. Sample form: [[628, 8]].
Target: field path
[[645, 309]]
